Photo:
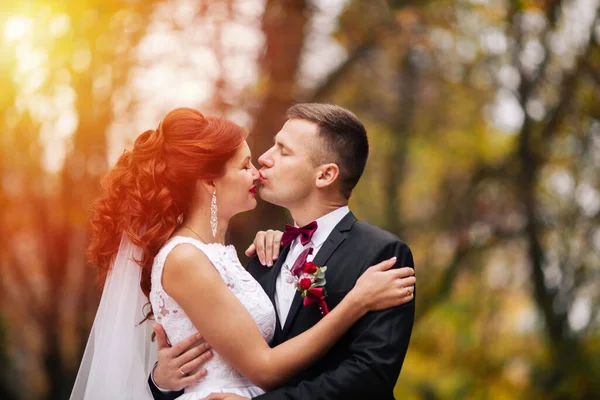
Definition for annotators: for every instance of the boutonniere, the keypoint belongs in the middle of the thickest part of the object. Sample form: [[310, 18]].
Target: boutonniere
[[311, 284]]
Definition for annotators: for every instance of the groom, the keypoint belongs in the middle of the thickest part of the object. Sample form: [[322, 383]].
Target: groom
[[316, 160]]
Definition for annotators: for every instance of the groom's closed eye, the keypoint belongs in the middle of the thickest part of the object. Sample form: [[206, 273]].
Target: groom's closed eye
[[284, 151]]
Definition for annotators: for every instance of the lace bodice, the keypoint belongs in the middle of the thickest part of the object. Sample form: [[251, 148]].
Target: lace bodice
[[178, 326]]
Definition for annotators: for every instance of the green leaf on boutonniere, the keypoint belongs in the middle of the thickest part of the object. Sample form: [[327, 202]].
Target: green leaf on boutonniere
[[319, 282]]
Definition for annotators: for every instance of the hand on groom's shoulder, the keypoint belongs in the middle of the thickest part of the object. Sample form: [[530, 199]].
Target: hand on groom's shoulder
[[265, 247]]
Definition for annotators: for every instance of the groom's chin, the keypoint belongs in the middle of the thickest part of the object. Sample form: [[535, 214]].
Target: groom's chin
[[262, 195], [267, 195], [267, 199]]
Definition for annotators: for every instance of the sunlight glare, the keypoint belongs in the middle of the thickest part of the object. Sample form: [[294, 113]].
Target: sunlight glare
[[16, 27], [60, 25]]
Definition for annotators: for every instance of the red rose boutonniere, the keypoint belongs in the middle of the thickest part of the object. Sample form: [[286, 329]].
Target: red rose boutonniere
[[311, 283]]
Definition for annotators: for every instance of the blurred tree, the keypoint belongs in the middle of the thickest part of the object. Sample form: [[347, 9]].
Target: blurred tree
[[463, 192], [284, 26], [484, 124], [84, 59]]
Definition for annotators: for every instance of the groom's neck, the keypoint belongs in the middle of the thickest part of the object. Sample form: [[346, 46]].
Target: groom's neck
[[308, 211]]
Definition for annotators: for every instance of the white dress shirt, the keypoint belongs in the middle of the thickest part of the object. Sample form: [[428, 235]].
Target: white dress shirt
[[285, 289]]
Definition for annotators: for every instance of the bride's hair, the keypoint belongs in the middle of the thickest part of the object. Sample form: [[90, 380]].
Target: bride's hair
[[152, 185]]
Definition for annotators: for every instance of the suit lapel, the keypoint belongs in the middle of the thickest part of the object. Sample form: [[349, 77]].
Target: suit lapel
[[272, 277], [335, 238]]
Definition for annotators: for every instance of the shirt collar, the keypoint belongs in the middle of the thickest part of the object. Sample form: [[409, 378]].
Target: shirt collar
[[326, 224]]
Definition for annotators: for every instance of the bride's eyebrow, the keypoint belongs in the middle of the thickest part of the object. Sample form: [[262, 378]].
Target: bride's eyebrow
[[246, 160]]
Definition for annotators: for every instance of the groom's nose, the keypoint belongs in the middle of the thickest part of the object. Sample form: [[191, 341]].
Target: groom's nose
[[266, 160]]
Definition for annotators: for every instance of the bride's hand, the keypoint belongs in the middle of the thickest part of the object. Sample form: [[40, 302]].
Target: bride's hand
[[266, 246], [380, 287]]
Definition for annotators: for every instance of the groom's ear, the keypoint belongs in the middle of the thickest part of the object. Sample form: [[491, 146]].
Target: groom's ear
[[327, 174]]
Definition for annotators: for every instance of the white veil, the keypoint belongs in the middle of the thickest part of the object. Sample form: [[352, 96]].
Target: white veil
[[119, 354]]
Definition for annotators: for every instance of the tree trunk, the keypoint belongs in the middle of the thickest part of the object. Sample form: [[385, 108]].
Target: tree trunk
[[402, 125], [284, 23]]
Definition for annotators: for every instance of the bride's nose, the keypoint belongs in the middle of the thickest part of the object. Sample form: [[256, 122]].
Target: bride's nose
[[255, 173]]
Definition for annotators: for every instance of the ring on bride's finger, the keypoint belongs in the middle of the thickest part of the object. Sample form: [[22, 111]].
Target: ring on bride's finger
[[182, 373]]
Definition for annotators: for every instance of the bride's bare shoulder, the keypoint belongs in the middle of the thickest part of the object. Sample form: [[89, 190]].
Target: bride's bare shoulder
[[184, 260]]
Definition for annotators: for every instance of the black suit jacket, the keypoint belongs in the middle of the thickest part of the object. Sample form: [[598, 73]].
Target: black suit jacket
[[366, 361]]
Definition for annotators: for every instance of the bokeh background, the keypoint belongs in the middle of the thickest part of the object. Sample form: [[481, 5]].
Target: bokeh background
[[484, 124]]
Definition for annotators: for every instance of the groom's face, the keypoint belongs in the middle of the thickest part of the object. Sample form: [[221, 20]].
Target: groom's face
[[288, 174]]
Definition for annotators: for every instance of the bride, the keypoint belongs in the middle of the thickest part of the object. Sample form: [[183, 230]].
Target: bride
[[158, 234]]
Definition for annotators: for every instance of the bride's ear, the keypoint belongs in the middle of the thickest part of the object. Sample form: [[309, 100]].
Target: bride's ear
[[205, 186], [327, 174]]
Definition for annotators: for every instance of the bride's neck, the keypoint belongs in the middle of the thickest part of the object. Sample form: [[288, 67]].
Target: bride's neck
[[197, 224]]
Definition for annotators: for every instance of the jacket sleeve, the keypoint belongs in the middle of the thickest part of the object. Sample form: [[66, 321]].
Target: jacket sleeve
[[158, 395]]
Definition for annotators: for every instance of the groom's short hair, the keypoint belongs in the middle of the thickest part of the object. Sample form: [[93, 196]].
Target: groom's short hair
[[344, 136]]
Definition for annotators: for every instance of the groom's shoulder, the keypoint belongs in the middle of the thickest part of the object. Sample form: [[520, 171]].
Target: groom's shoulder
[[376, 234]]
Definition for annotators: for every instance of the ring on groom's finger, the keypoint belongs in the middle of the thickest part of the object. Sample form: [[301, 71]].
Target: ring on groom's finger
[[182, 373]]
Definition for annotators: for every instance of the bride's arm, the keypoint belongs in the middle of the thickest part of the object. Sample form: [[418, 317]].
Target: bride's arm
[[191, 279]]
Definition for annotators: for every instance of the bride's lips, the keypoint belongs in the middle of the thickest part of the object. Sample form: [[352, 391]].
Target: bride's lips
[[253, 189]]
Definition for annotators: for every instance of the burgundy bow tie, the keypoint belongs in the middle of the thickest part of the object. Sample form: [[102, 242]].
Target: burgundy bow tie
[[305, 233]]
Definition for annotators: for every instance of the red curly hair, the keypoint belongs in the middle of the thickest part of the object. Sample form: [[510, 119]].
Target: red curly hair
[[152, 185]]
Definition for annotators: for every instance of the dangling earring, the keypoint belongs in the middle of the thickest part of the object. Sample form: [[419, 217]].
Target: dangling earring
[[213, 213]]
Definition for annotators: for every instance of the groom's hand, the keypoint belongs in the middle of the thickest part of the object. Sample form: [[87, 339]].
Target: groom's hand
[[266, 246], [179, 366]]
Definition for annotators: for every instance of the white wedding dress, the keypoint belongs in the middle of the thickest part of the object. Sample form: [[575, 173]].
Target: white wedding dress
[[221, 376]]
